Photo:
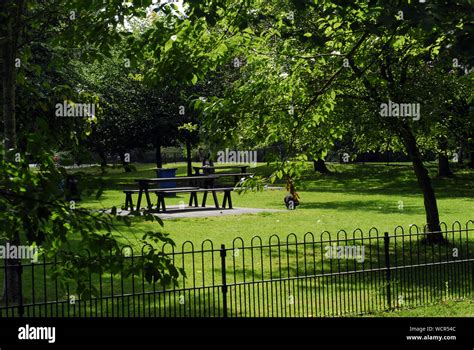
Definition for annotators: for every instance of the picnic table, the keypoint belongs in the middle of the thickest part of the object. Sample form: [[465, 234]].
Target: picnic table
[[206, 184], [197, 169]]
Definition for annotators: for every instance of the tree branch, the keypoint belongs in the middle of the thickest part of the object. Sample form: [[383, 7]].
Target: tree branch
[[333, 77]]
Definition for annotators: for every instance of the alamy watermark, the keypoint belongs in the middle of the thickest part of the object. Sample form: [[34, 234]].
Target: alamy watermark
[[237, 157], [349, 252], [9, 251], [403, 110], [71, 109], [37, 333]]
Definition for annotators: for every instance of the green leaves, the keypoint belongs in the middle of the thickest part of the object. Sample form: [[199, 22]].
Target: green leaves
[[168, 45], [33, 205]]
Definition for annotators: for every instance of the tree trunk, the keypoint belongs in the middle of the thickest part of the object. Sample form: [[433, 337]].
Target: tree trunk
[[431, 208], [10, 31], [11, 282], [103, 159], [443, 160], [320, 166], [443, 166], [158, 157], [188, 158], [103, 162], [12, 293], [470, 151], [8, 88]]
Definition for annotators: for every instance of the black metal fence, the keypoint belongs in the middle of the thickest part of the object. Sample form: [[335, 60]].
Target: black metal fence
[[324, 275]]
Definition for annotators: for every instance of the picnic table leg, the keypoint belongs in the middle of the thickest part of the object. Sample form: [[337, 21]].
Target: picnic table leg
[[227, 200], [224, 201], [216, 202], [139, 201], [148, 200], [193, 199], [230, 199], [160, 203], [161, 199], [130, 202], [204, 198], [126, 201]]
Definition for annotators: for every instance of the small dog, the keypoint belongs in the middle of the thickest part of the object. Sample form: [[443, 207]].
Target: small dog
[[290, 202]]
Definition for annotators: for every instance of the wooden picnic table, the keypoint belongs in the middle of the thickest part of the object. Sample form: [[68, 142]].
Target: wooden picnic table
[[243, 168], [207, 181]]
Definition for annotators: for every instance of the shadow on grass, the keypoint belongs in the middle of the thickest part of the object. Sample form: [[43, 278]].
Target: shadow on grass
[[384, 207], [387, 180]]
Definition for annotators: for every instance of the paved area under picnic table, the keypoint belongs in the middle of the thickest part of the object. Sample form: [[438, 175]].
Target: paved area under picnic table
[[176, 213]]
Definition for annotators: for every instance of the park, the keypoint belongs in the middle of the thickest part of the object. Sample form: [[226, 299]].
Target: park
[[236, 158]]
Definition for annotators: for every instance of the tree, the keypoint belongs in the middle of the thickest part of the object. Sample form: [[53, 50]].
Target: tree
[[398, 71], [123, 120], [300, 55], [33, 209]]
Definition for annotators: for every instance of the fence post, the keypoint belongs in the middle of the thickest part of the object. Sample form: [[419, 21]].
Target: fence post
[[387, 266], [21, 308], [224, 280], [472, 272]]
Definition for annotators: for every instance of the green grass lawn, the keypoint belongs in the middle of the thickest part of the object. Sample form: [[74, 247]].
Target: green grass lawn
[[448, 308]]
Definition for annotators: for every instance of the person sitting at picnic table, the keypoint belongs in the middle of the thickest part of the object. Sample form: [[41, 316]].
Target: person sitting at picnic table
[[207, 162]]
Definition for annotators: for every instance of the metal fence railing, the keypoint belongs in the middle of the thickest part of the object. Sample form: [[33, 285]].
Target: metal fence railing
[[310, 276]]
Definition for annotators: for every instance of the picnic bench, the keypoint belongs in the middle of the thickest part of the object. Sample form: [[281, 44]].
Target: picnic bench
[[193, 197], [130, 192], [196, 184]]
